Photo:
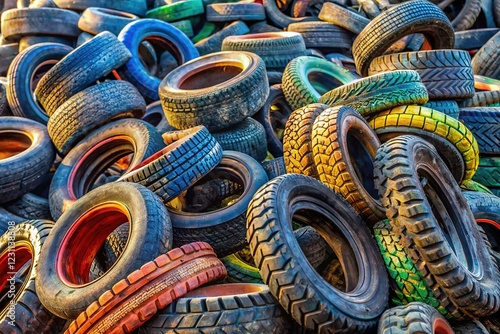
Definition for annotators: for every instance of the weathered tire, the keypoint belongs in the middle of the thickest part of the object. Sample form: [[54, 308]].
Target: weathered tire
[[228, 12], [213, 43], [274, 167], [487, 60], [344, 17], [323, 35], [8, 53], [470, 327], [95, 20], [482, 99], [175, 11], [442, 240], [137, 7], [483, 122], [474, 38], [65, 288], [488, 172], [189, 102], [35, 204], [280, 19], [316, 304], [447, 107]]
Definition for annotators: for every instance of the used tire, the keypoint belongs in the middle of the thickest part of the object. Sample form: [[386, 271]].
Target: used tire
[[483, 122], [137, 7], [213, 43], [474, 38], [488, 172], [482, 99], [341, 16], [447, 107], [487, 60], [280, 19], [228, 12], [8, 53], [65, 289], [189, 101], [175, 11], [95, 20], [323, 35]]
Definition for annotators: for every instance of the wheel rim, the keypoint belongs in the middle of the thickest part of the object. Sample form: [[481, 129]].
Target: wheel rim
[[13, 143]]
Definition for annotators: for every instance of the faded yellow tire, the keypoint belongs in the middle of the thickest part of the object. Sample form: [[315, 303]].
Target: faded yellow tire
[[452, 139]]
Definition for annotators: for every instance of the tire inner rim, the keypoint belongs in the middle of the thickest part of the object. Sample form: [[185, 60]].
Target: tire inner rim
[[13, 142]]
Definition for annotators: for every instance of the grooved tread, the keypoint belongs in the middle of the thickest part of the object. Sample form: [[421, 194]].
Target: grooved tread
[[484, 123]]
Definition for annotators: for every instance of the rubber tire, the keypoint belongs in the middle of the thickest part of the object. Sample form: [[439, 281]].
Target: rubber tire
[[17, 23], [482, 99], [206, 31], [486, 61], [213, 43], [397, 22], [27, 315], [470, 327], [150, 236], [208, 104], [262, 27], [92, 156], [222, 228], [496, 12], [472, 185], [22, 172], [344, 17], [80, 69], [8, 53], [407, 285], [446, 74], [447, 107], [137, 7], [415, 318], [297, 140], [222, 308], [95, 20], [306, 79], [228, 12], [414, 221], [149, 289], [474, 38], [455, 143], [379, 92], [280, 19], [488, 172], [344, 147], [323, 35], [27, 41], [30, 206], [276, 49], [273, 116], [249, 137], [4, 105], [316, 304], [274, 167], [92, 108], [176, 10], [483, 123]]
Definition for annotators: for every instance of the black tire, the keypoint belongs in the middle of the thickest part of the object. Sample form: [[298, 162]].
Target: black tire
[[447, 107], [229, 12], [496, 12], [414, 318], [137, 7], [446, 74], [27, 154], [8, 53], [4, 105], [466, 16], [485, 126], [164, 38], [486, 61], [249, 137], [316, 304], [274, 167], [35, 204], [474, 38], [397, 22], [344, 17], [379, 92], [262, 27], [29, 64], [280, 19], [443, 239], [312, 245], [276, 49], [80, 69], [232, 308], [91, 157], [323, 35], [176, 167], [213, 43], [470, 327], [223, 228], [189, 102], [92, 108], [24, 313], [273, 116], [150, 236], [17, 23], [482, 99], [96, 20]]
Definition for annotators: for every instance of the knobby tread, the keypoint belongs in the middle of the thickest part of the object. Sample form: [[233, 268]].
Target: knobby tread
[[484, 123], [486, 61]]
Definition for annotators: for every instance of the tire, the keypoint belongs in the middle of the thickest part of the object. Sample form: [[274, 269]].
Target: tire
[[488, 172], [80, 69], [249, 137], [344, 17], [29, 64], [446, 74], [323, 35], [27, 155], [8, 53], [280, 19], [6, 217], [496, 12], [470, 327], [137, 7], [222, 228], [316, 304], [455, 143], [239, 271], [17, 23], [379, 92], [414, 318], [407, 284], [307, 78], [32, 205], [486, 61], [467, 15], [474, 38], [482, 99], [447, 107], [276, 49], [188, 102], [162, 36], [65, 289], [96, 20], [92, 108], [152, 287], [4, 105], [474, 186], [343, 148], [176, 11], [274, 167], [263, 27], [397, 22], [297, 140], [228, 12], [439, 251], [483, 123], [232, 308], [213, 43], [273, 116], [27, 41], [24, 312], [206, 31], [91, 157]]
